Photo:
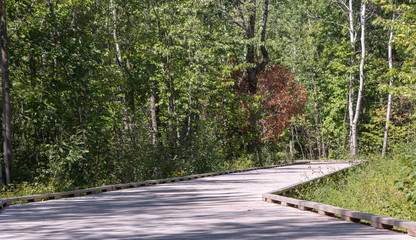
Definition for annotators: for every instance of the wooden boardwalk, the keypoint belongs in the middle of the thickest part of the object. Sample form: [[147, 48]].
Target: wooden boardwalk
[[220, 207]]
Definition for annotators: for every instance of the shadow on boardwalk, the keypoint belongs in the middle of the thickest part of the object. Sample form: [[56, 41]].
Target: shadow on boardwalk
[[223, 207]]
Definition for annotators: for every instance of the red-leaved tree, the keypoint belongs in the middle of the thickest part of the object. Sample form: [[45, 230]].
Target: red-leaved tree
[[281, 99], [278, 99]]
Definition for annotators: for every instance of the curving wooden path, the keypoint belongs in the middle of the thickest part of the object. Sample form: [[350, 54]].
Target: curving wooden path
[[220, 207]]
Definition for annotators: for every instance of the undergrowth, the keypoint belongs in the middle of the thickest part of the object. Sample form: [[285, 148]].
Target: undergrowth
[[383, 186], [27, 189]]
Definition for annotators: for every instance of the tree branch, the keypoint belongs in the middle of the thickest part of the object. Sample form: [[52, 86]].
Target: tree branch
[[242, 18], [342, 4], [231, 18], [331, 22], [22, 20]]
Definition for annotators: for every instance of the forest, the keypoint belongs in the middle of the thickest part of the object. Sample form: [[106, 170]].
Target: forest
[[107, 91]]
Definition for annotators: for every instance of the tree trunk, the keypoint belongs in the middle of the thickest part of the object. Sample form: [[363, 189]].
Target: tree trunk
[[115, 37], [255, 69], [7, 126], [344, 135], [309, 141], [354, 115], [171, 92], [32, 67], [316, 118], [292, 144], [189, 114], [300, 145], [389, 100], [361, 87], [252, 75], [154, 99], [51, 9], [128, 37], [353, 37]]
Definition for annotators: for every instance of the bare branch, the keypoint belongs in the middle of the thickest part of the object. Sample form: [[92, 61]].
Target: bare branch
[[341, 4], [22, 20], [232, 19], [242, 18], [331, 22]]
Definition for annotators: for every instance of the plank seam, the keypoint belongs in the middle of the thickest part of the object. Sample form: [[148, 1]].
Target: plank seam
[[76, 193]]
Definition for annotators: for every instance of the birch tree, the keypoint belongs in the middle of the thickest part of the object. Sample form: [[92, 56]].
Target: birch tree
[[389, 98], [355, 99], [354, 116]]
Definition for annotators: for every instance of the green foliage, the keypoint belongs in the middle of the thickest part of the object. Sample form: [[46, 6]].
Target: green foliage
[[82, 109], [66, 160], [407, 184]]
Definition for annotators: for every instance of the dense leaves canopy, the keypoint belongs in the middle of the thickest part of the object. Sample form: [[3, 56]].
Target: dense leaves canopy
[[117, 90]]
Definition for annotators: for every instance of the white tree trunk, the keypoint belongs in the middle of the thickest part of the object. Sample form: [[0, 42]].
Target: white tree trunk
[[115, 37], [389, 100], [353, 36], [153, 110], [355, 119]]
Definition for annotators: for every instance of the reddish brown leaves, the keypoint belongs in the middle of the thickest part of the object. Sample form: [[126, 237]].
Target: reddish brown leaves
[[281, 99]]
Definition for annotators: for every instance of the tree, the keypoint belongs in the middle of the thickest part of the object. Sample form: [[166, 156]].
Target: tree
[[355, 99], [277, 87], [7, 131], [355, 113], [247, 14], [389, 98]]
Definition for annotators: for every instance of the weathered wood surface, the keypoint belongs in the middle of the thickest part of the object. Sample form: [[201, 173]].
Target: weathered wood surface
[[76, 193], [219, 207]]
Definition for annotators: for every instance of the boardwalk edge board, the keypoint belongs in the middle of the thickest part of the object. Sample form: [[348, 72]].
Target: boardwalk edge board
[[377, 221], [76, 193]]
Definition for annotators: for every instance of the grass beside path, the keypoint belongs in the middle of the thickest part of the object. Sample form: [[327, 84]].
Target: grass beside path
[[383, 186]]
